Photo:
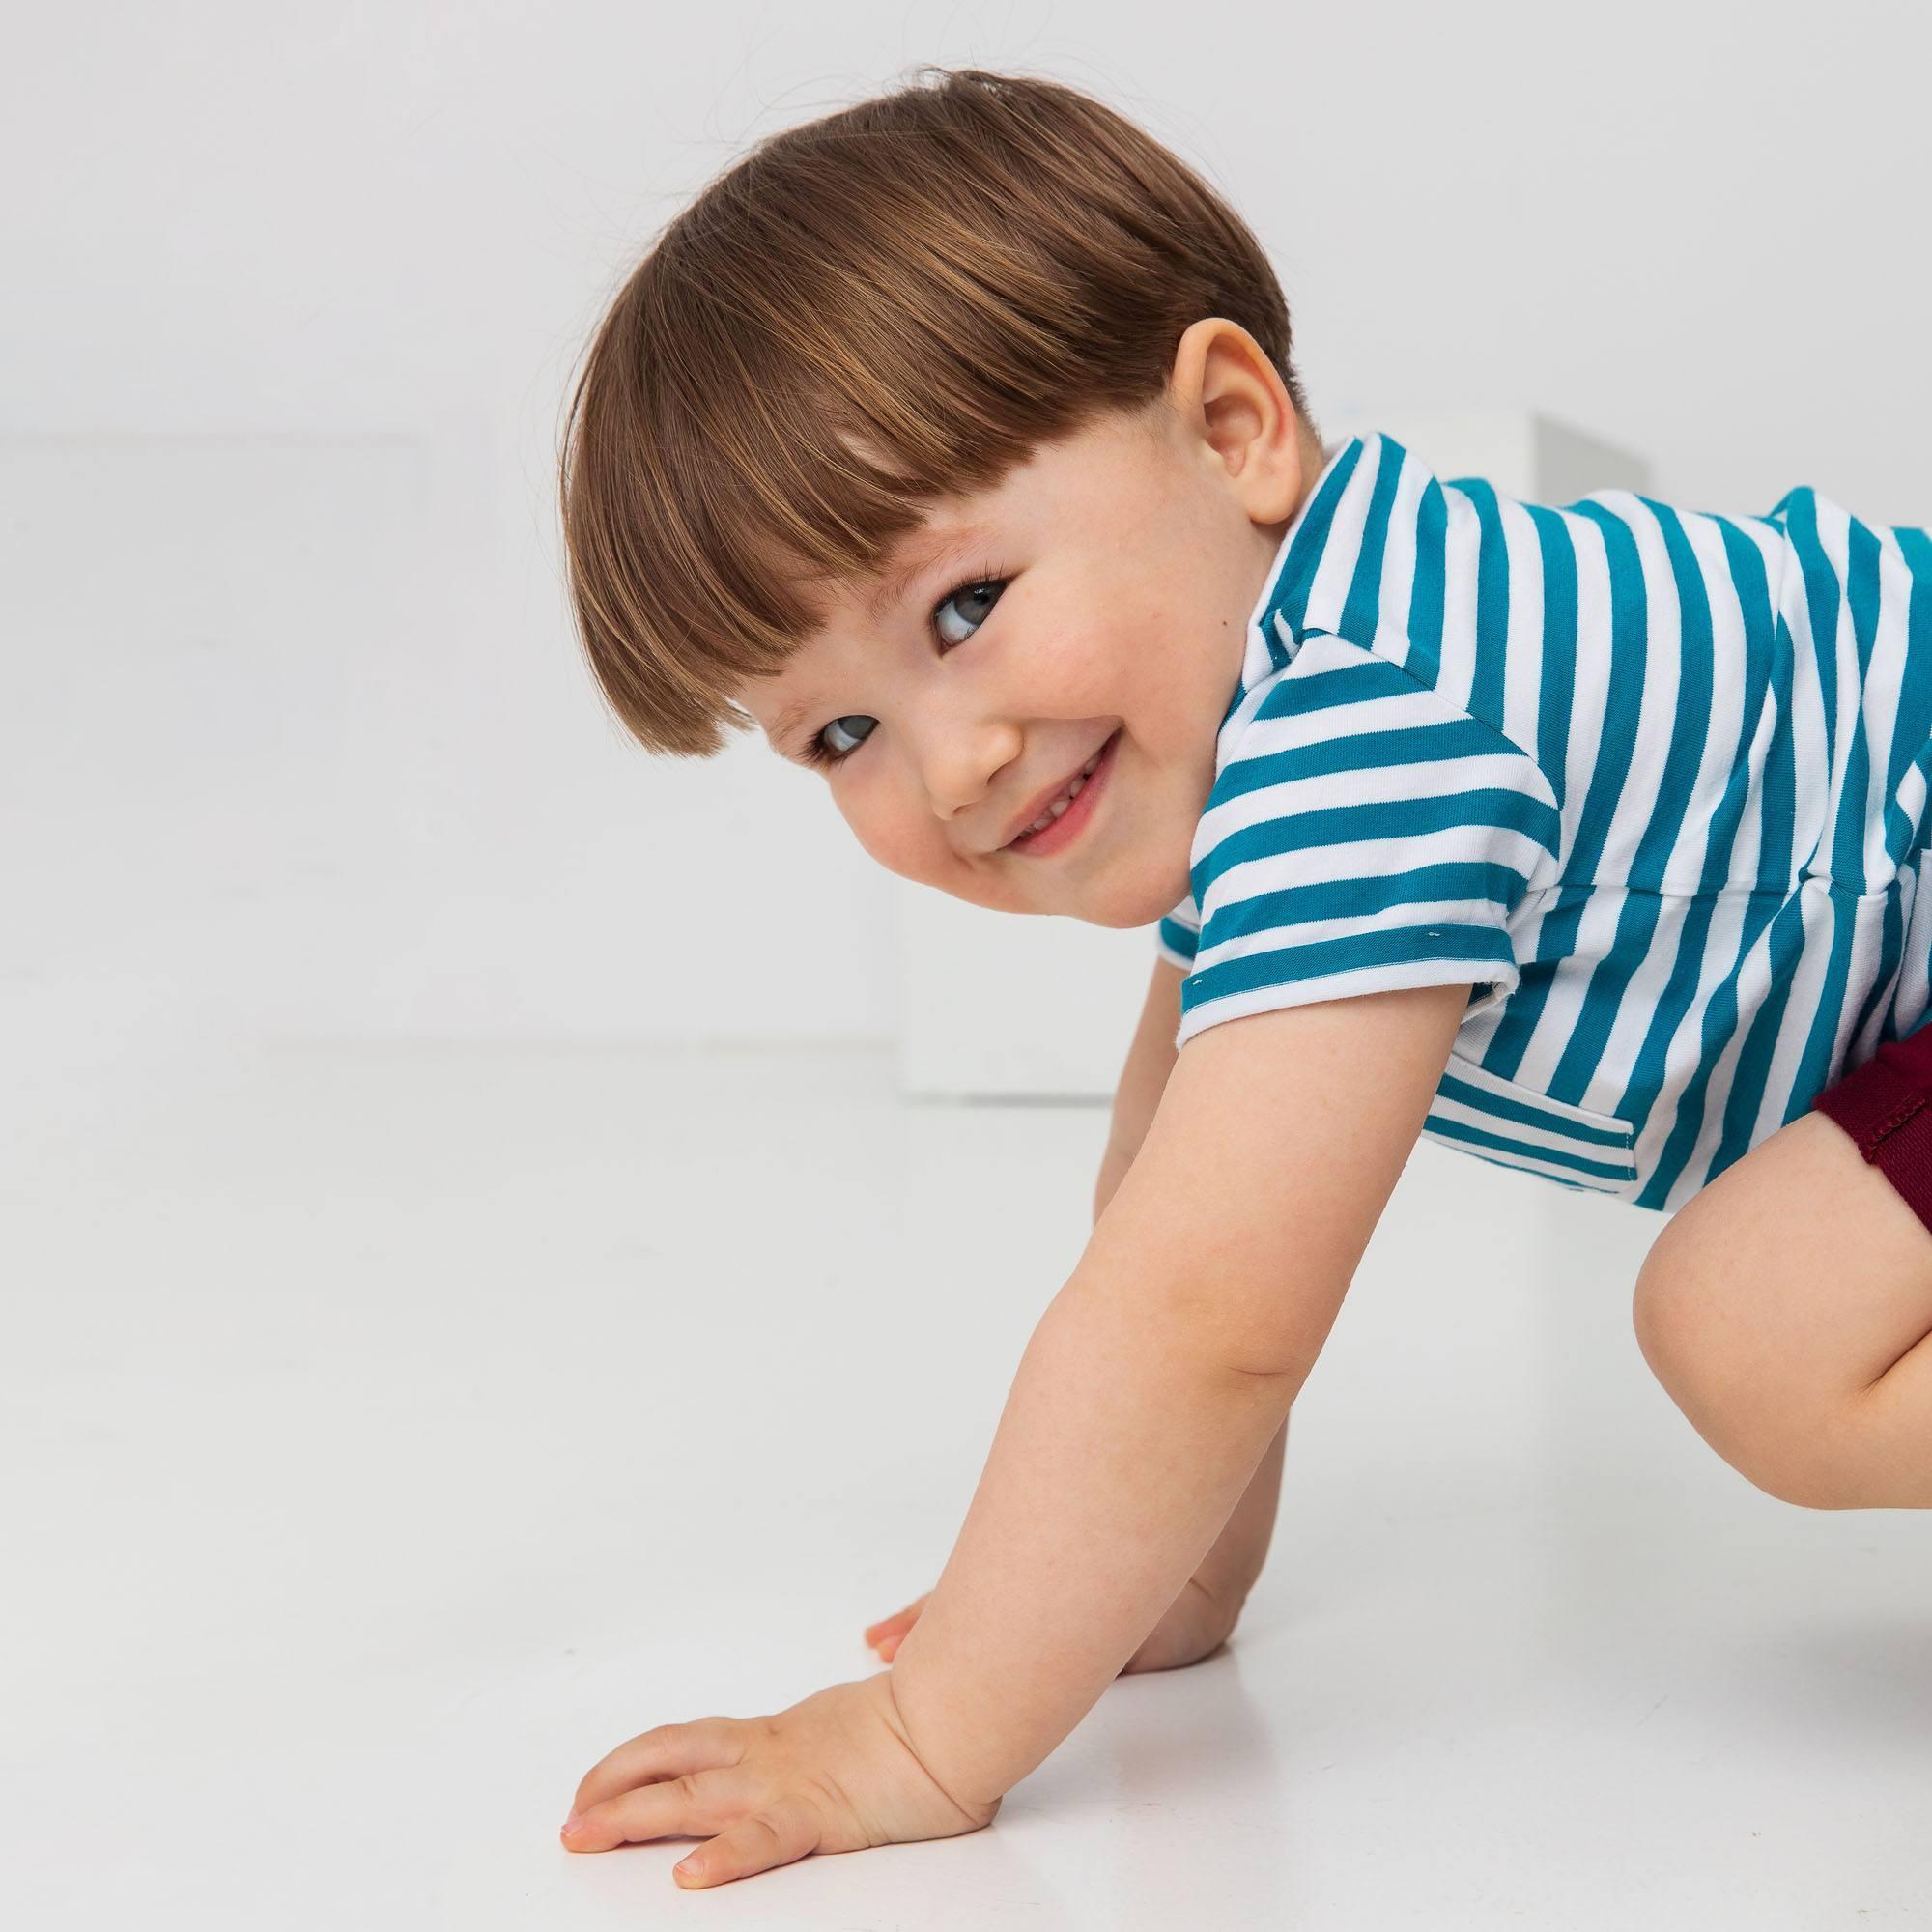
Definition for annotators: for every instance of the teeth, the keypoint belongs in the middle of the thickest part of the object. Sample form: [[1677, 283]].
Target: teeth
[[1067, 797]]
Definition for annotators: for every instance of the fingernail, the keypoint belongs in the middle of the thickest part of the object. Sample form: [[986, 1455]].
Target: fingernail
[[570, 1824], [689, 1868]]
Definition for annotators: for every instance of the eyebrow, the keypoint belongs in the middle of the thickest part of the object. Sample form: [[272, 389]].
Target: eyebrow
[[923, 550], [785, 725]]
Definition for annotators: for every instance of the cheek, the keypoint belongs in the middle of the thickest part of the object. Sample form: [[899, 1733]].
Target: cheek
[[1128, 659], [893, 833]]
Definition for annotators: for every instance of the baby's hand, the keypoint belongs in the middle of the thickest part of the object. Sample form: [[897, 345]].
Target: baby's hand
[[833, 1773], [1198, 1622]]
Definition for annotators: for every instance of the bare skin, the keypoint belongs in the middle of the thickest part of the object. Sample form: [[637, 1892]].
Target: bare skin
[[1203, 1617]]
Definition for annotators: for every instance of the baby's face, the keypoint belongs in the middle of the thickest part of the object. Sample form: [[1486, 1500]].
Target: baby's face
[[1098, 598]]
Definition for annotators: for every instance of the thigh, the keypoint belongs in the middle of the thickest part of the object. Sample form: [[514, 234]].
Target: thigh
[[1775, 1298]]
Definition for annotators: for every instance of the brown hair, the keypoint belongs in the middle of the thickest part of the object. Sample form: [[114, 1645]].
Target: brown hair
[[893, 303]]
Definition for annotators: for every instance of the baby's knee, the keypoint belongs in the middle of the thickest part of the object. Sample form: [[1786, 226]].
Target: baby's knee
[[1796, 1442]]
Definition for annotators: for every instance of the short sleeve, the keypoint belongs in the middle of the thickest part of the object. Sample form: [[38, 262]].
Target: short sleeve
[[1364, 831], [1179, 933]]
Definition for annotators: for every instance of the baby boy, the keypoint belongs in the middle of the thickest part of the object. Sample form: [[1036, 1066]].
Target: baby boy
[[955, 442]]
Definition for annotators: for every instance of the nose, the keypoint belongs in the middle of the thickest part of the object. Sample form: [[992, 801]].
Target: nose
[[960, 764]]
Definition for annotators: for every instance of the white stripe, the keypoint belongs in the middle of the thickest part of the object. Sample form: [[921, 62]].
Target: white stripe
[[1336, 570], [1366, 859], [1457, 675], [1398, 582], [1885, 682], [1810, 748], [1342, 985], [1589, 699], [1550, 1138], [1529, 1163], [1362, 786], [1522, 645]]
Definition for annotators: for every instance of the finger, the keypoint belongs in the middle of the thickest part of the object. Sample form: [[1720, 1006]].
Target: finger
[[781, 1833], [692, 1806], [667, 1751], [899, 1620], [888, 1648]]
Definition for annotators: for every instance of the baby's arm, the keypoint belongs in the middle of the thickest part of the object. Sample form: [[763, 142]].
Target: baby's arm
[[1211, 1601], [1160, 1375]]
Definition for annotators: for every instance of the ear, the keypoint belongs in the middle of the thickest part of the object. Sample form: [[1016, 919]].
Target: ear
[[1232, 404]]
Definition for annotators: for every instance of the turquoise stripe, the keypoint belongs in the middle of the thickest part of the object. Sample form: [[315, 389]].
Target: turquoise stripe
[[1913, 726], [1783, 937], [1668, 1020], [1637, 916], [1890, 951], [1577, 1163], [1714, 1028], [1822, 600], [1861, 597], [1361, 609], [1384, 818], [1691, 722], [1519, 1020], [1903, 833], [1767, 683], [1630, 630], [1525, 1114], [1423, 659], [1516, 1023], [1667, 826], [1289, 965], [1828, 599], [1175, 935], [1355, 683], [1288, 597], [1492, 595], [1814, 1062], [1616, 736], [1557, 666], [1746, 587], [1475, 884], [1397, 748], [1615, 739]]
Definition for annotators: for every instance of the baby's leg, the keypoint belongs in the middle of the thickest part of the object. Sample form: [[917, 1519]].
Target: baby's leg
[[1787, 1308]]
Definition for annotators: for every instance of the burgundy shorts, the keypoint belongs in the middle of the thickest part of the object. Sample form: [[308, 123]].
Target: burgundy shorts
[[1886, 1106]]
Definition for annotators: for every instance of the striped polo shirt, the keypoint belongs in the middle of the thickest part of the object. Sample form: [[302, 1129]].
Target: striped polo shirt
[[1653, 782]]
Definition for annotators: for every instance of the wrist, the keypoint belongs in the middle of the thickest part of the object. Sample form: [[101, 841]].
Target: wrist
[[979, 1810]]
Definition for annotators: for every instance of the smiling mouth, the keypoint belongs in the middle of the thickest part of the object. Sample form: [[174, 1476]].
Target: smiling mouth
[[1067, 814]]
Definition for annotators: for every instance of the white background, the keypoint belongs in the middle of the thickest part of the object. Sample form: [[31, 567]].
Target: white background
[[295, 738], [430, 1357]]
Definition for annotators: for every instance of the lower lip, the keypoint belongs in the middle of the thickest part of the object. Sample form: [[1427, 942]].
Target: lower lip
[[1067, 827]]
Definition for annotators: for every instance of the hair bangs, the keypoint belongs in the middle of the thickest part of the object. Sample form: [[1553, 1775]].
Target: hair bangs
[[863, 316]]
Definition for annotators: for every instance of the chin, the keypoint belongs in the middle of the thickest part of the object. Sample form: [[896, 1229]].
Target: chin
[[1146, 894]]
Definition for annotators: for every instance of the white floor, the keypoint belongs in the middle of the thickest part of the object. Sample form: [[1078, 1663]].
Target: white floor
[[387, 1434]]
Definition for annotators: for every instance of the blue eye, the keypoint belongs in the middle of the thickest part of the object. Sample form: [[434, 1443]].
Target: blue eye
[[986, 591], [977, 595], [821, 752]]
